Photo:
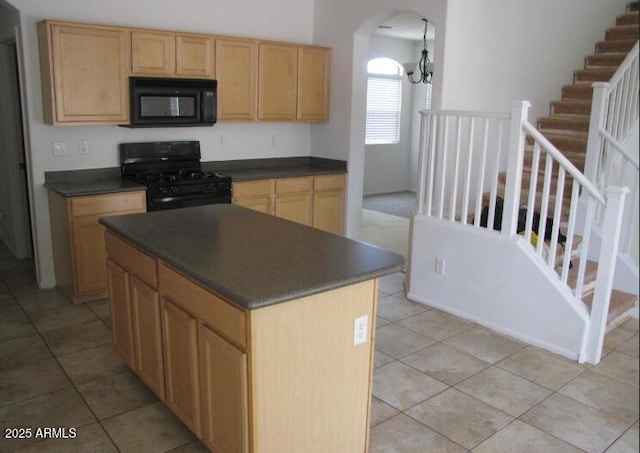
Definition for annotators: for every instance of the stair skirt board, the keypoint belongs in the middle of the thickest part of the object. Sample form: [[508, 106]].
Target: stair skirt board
[[530, 306]]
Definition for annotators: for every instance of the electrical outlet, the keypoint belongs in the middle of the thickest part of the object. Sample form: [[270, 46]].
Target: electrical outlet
[[360, 328], [440, 262], [84, 147], [60, 148], [221, 142], [274, 141]]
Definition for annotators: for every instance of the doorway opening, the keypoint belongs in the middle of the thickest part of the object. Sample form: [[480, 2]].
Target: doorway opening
[[392, 128], [15, 220]]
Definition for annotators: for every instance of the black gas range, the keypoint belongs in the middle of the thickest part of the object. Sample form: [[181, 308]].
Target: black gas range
[[173, 175]]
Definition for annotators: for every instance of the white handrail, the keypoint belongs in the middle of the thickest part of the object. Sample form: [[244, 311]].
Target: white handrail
[[564, 162], [617, 76], [618, 146]]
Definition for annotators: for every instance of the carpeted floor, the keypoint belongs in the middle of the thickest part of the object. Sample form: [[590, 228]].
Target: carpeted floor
[[386, 231], [398, 203]]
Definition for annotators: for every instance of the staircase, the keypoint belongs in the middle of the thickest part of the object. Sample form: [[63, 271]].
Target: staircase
[[568, 125], [567, 129], [565, 300]]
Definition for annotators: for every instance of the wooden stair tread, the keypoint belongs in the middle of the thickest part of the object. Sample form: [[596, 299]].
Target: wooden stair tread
[[578, 123], [571, 107], [594, 75], [605, 59], [619, 304], [620, 45], [589, 274]]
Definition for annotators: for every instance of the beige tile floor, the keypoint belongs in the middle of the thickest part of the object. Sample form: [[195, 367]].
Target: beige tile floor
[[440, 384]]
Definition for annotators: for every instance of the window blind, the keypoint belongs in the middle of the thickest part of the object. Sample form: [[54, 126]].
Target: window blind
[[383, 110]]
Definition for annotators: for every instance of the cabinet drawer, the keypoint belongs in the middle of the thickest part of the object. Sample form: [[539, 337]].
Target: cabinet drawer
[[289, 185], [329, 182], [204, 305], [248, 189], [140, 264], [105, 204]]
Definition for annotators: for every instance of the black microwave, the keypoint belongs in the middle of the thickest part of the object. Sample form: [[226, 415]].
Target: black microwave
[[157, 102]]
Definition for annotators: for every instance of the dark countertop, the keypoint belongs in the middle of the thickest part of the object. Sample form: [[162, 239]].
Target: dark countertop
[[253, 259], [284, 167], [75, 183]]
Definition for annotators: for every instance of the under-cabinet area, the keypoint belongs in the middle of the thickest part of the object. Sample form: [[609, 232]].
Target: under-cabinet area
[[85, 70], [241, 360]]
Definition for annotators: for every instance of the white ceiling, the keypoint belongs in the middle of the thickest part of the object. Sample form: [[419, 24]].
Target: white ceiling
[[406, 26]]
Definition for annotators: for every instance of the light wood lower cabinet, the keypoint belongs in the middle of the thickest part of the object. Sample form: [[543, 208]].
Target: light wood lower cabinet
[[121, 314], [284, 378], [78, 240], [180, 343], [294, 199], [145, 307], [223, 393], [317, 201]]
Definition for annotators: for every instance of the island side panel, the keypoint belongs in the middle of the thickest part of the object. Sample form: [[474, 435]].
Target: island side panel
[[310, 386]]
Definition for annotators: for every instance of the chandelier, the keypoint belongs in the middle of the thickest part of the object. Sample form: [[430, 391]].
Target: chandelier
[[424, 65]]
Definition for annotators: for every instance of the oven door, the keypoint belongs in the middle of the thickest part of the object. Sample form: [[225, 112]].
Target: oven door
[[159, 202]]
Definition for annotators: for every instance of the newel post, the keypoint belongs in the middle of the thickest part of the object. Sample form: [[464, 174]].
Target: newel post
[[424, 155], [519, 112], [597, 119], [611, 226]]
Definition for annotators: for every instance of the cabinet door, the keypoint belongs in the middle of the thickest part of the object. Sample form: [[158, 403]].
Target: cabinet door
[[236, 72], [153, 53], [277, 82], [180, 342], [194, 56], [256, 195], [294, 199], [223, 380], [328, 203], [120, 304], [313, 83], [89, 255], [145, 304], [85, 73]]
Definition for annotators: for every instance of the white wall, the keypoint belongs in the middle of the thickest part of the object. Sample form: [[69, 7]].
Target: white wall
[[283, 20], [468, 287], [500, 51], [386, 167]]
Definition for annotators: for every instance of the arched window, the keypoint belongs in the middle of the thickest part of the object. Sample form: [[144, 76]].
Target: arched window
[[384, 94]]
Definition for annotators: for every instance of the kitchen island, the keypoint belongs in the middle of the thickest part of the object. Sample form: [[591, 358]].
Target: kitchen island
[[257, 332]]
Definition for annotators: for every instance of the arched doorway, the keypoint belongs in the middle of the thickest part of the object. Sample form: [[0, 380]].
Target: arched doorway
[[392, 125]]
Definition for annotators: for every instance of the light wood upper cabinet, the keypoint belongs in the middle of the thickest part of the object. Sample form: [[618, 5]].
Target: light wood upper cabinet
[[236, 72], [84, 71], [153, 53], [194, 56], [278, 82], [166, 54], [313, 83]]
